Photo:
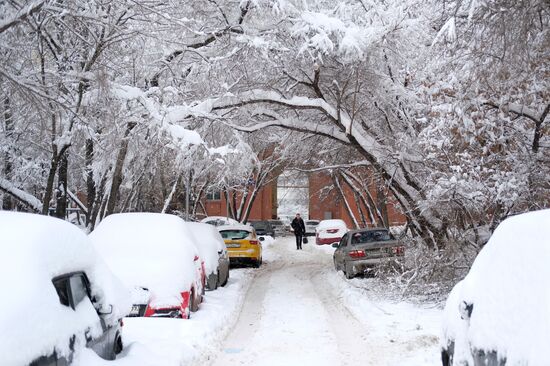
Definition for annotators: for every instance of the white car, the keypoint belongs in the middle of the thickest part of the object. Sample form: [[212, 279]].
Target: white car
[[214, 252], [330, 231], [499, 314], [156, 253], [219, 221], [311, 226], [58, 296]]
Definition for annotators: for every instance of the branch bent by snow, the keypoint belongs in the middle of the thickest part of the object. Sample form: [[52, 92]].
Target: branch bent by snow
[[25, 198]]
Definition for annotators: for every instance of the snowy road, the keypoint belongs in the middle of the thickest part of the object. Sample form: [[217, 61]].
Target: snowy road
[[296, 313]]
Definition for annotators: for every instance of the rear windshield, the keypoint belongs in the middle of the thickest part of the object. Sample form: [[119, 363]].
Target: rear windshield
[[234, 234], [259, 224], [313, 223], [371, 236]]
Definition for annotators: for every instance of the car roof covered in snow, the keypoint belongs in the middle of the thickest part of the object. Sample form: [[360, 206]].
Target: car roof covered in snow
[[151, 250], [221, 219], [236, 227], [35, 249], [331, 223], [508, 287]]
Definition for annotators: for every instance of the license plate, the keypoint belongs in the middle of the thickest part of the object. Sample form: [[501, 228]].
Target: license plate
[[233, 245], [135, 310]]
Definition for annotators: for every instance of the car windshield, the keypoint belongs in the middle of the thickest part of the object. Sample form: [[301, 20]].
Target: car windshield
[[371, 236], [258, 224], [234, 234]]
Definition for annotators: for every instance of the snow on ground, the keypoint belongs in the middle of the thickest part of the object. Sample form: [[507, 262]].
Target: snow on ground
[[294, 310], [299, 311]]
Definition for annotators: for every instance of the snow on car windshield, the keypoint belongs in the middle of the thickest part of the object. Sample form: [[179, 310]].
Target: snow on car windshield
[[234, 234]]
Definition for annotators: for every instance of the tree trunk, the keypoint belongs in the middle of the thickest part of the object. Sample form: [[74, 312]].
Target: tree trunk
[[90, 183], [117, 173], [7, 202], [61, 193]]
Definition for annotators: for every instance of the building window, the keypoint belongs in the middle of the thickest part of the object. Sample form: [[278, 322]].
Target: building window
[[213, 196]]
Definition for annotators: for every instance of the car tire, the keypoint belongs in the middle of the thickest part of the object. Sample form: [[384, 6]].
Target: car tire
[[193, 304], [226, 280], [257, 263]]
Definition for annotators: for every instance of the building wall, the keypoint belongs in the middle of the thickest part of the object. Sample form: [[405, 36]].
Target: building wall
[[263, 208], [327, 203]]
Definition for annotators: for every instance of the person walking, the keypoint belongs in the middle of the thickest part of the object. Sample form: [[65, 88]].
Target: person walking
[[299, 229]]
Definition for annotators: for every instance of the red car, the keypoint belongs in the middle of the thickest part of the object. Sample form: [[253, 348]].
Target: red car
[[155, 255], [330, 231]]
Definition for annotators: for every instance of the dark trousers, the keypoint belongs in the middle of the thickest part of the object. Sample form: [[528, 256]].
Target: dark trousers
[[298, 241]]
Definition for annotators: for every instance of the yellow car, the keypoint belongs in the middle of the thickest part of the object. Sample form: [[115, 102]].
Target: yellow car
[[242, 244]]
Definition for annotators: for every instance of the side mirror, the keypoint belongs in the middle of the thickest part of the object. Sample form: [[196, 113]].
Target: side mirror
[[105, 309], [335, 245], [261, 238], [465, 310]]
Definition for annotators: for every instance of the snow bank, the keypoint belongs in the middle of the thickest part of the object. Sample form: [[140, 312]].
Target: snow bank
[[508, 288], [149, 250], [209, 242], [33, 321]]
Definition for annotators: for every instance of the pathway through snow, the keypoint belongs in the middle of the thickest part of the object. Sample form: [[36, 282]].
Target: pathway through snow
[[294, 315]]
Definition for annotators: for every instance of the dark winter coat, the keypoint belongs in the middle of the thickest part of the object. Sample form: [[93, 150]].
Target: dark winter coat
[[298, 226]]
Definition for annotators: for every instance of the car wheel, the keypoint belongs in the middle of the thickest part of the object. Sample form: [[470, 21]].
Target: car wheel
[[226, 279], [117, 346], [257, 263], [335, 264], [194, 305]]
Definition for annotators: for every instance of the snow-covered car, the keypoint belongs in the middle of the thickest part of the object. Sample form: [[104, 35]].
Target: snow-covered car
[[330, 231], [219, 221], [214, 253], [360, 251], [242, 244], [58, 296], [311, 225], [499, 314], [155, 255]]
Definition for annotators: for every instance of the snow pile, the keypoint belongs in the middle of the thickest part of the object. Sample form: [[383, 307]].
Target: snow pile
[[209, 242], [325, 225], [508, 288], [33, 321], [149, 250]]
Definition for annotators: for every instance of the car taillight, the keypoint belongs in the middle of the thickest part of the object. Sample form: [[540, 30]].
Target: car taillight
[[254, 242], [332, 231], [398, 250], [357, 253]]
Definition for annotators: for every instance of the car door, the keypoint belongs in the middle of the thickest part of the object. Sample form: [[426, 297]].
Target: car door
[[74, 291], [339, 253]]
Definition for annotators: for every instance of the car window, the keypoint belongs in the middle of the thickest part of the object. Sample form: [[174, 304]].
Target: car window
[[79, 291], [312, 223], [371, 236], [62, 288], [343, 241], [234, 234]]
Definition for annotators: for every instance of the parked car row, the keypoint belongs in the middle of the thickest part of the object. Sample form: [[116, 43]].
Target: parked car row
[[132, 264]]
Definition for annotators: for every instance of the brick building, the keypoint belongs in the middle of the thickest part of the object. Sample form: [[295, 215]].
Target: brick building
[[325, 202]]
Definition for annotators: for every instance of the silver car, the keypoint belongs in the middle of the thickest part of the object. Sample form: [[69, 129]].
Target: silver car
[[360, 251]]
